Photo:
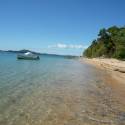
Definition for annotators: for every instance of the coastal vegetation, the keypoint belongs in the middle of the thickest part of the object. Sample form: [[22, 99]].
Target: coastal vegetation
[[110, 44]]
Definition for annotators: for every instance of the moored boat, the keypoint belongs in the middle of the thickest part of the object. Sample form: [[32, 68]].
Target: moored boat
[[28, 56]]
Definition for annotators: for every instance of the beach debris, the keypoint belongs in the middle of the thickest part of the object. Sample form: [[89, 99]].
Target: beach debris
[[119, 70], [121, 118], [101, 121]]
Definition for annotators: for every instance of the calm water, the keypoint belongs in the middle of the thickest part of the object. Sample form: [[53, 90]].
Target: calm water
[[55, 91]]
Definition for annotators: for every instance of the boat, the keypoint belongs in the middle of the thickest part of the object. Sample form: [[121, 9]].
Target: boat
[[28, 56]]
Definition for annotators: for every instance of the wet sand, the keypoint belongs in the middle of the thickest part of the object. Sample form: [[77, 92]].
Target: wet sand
[[114, 68], [115, 79]]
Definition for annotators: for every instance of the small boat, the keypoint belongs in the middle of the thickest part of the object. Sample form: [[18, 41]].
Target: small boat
[[28, 56]]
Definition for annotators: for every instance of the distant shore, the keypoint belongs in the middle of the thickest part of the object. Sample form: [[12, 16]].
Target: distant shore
[[114, 67]]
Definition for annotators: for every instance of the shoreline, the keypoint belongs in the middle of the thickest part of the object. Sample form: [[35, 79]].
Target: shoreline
[[114, 67]]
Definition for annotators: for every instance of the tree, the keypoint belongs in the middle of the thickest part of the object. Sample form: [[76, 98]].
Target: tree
[[110, 43]]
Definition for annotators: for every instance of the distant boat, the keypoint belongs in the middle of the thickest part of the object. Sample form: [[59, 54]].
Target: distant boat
[[28, 56]]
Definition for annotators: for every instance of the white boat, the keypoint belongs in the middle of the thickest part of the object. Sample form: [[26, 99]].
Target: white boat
[[28, 56]]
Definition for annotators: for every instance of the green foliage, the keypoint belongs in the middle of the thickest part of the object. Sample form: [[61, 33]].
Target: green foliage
[[110, 43]]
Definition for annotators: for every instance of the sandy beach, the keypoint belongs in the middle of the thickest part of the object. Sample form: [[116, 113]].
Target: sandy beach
[[116, 72], [114, 67]]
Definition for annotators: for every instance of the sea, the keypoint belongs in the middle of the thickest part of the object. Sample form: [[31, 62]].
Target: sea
[[55, 91]]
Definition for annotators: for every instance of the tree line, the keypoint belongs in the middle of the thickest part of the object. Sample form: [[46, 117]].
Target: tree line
[[109, 44]]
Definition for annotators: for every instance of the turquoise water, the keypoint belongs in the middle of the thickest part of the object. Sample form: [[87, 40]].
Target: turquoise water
[[54, 91]]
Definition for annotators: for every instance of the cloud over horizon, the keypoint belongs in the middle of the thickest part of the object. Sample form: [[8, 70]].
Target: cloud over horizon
[[68, 46]]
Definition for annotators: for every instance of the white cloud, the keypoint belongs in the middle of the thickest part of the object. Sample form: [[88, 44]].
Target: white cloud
[[67, 46]]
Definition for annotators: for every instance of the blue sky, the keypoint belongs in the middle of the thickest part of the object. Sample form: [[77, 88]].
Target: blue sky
[[56, 26]]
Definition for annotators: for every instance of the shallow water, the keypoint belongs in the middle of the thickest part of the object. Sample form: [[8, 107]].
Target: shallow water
[[56, 91]]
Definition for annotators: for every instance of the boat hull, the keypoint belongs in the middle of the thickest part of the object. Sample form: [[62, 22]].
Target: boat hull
[[24, 57]]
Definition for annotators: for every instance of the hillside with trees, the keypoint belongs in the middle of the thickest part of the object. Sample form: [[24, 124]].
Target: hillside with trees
[[109, 44]]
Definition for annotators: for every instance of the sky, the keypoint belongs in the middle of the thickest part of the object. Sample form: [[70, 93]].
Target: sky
[[56, 26]]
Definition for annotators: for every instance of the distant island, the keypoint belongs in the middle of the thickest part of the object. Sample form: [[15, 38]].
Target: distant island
[[109, 44], [20, 51], [26, 50]]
